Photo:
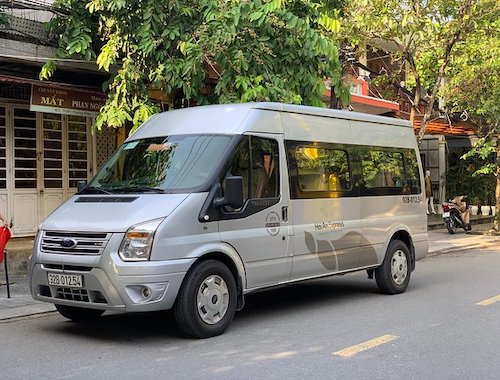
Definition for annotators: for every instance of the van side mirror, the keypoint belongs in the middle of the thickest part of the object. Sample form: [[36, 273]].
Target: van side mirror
[[233, 193], [80, 185]]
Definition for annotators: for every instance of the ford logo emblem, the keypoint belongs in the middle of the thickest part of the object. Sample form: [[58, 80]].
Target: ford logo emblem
[[68, 243]]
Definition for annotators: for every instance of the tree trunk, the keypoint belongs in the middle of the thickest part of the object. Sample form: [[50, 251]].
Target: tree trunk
[[496, 223], [334, 99], [425, 121], [414, 109]]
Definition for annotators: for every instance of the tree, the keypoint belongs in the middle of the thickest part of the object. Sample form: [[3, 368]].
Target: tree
[[273, 50], [473, 90], [420, 36]]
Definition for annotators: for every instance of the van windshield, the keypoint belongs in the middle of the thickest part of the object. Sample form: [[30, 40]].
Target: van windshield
[[160, 164]]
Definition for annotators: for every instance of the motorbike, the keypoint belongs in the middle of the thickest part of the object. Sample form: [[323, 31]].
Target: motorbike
[[454, 213]]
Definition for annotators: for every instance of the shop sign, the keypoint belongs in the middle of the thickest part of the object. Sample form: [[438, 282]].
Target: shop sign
[[66, 101]]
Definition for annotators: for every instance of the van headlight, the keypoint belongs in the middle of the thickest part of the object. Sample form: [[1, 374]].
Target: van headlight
[[137, 243]]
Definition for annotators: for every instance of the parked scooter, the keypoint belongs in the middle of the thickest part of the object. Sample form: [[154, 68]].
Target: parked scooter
[[456, 214]]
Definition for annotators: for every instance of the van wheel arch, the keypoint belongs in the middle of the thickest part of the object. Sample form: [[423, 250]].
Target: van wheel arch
[[206, 302], [226, 260], [405, 237]]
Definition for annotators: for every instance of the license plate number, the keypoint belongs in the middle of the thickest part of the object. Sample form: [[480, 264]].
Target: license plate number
[[446, 214], [66, 280]]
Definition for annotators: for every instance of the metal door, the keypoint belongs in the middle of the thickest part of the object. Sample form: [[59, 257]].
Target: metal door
[[25, 202], [3, 162], [42, 157], [65, 158]]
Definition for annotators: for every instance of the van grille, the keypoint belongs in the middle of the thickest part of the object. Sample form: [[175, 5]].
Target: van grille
[[78, 268], [74, 243], [73, 294], [81, 295]]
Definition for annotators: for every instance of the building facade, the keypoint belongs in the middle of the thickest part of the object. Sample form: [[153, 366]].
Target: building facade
[[43, 155], [47, 144]]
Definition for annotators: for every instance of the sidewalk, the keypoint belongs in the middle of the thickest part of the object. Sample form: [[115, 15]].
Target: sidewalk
[[21, 304], [435, 221], [440, 241]]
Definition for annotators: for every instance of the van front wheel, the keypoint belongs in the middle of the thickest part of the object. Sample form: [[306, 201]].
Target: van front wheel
[[206, 302], [393, 275]]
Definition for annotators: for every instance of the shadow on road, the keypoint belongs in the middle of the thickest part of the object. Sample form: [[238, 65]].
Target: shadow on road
[[307, 295], [269, 304]]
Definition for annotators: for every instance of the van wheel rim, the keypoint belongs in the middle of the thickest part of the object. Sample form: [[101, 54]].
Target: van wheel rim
[[212, 299], [399, 267]]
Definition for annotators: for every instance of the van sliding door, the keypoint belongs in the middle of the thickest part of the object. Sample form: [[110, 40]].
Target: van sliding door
[[326, 211]]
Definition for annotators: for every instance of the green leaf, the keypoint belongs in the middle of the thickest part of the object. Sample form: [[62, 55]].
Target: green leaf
[[47, 70], [183, 47], [254, 16]]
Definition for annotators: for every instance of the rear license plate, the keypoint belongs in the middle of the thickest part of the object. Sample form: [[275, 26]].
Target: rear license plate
[[66, 280], [446, 214]]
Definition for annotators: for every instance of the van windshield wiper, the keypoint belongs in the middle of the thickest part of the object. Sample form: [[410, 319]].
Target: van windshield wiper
[[93, 189], [137, 189]]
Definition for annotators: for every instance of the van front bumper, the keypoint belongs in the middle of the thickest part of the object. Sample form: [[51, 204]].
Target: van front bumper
[[108, 283]]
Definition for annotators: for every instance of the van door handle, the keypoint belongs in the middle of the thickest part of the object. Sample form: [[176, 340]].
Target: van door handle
[[284, 214]]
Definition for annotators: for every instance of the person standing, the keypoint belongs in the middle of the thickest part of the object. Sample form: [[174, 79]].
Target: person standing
[[428, 192]]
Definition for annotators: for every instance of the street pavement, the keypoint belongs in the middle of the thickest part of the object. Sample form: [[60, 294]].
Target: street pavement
[[21, 304]]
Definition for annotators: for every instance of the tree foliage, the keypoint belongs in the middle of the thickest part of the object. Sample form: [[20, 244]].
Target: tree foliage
[[473, 83], [420, 36], [473, 89], [272, 50]]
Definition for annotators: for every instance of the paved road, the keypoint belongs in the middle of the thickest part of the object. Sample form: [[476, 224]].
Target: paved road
[[435, 330]]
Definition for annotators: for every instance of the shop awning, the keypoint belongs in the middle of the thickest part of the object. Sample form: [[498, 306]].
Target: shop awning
[[442, 127]]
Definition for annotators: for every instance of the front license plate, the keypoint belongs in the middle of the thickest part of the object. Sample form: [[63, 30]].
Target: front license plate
[[66, 280], [446, 214]]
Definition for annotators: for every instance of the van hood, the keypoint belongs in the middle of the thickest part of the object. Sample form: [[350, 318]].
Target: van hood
[[110, 213]]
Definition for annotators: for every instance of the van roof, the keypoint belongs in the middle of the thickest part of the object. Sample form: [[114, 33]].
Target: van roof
[[328, 112], [209, 118]]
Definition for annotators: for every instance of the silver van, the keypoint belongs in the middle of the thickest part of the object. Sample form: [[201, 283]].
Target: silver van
[[204, 205]]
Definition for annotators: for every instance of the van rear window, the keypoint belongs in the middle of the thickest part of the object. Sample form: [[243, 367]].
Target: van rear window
[[329, 170]]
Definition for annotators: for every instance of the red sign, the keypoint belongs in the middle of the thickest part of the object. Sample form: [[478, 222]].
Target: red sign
[[4, 238], [66, 101]]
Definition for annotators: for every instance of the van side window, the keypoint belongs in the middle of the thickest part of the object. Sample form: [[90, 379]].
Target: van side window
[[265, 167], [390, 172], [256, 160], [238, 165], [412, 172], [321, 169], [382, 169]]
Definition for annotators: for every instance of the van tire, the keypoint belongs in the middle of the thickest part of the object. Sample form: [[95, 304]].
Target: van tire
[[78, 314], [206, 302], [393, 276]]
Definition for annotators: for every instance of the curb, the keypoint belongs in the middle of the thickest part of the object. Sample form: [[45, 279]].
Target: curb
[[464, 247], [439, 225], [26, 311]]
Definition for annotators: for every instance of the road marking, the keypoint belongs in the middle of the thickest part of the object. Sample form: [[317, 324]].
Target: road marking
[[353, 350], [489, 301]]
